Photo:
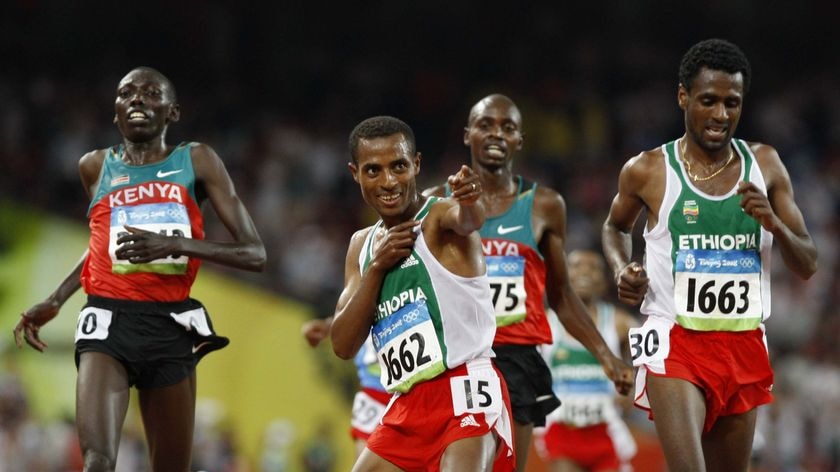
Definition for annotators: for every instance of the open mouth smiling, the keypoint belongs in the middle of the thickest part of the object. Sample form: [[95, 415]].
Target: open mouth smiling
[[137, 116]]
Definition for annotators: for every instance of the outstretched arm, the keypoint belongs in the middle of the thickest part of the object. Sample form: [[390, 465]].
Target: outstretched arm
[[245, 252], [563, 300], [778, 213], [468, 215]]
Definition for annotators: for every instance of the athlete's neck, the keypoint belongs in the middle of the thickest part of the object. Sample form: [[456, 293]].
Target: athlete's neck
[[496, 182], [145, 152]]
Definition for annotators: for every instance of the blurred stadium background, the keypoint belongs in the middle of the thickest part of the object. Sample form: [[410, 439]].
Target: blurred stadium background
[[276, 89]]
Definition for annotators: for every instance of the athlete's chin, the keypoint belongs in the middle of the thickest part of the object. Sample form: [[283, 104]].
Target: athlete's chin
[[716, 141], [388, 209], [492, 162]]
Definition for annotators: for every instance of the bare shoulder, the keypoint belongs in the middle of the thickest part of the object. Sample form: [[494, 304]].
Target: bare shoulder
[[202, 151], [548, 203], [643, 177], [769, 162], [643, 165], [360, 235], [90, 165], [205, 160], [93, 158], [356, 243]]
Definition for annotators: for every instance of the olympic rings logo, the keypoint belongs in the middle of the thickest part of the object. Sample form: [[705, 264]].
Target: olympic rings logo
[[747, 262], [509, 267], [411, 316]]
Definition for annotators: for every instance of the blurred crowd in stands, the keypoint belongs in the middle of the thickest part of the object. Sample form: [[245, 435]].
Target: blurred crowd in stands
[[278, 108]]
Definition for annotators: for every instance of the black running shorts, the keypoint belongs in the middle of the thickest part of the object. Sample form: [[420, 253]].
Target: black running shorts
[[529, 382], [158, 343]]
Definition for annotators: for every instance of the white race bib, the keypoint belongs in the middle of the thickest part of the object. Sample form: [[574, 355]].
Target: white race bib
[[649, 343], [170, 219], [584, 410], [717, 290], [475, 393], [93, 323], [507, 283], [366, 412], [407, 347]]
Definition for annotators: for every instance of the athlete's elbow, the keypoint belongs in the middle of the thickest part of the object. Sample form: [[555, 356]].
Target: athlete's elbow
[[343, 352], [808, 271], [256, 259]]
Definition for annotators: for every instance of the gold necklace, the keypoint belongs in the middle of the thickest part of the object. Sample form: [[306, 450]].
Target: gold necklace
[[696, 177]]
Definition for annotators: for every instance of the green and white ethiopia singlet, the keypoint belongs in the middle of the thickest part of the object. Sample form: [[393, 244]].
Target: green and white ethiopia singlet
[[578, 378], [708, 261], [427, 319]]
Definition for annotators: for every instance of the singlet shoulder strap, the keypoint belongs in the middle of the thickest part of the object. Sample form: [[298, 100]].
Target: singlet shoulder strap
[[525, 185]]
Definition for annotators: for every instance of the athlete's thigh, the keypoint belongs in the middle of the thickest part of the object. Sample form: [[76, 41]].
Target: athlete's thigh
[[679, 412], [476, 453], [729, 444], [102, 395], [369, 461], [168, 419]]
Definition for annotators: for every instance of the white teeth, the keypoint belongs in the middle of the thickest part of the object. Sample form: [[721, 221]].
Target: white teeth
[[495, 151], [137, 116]]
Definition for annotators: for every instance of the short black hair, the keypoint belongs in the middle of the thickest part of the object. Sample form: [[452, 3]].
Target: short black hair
[[380, 127], [714, 54]]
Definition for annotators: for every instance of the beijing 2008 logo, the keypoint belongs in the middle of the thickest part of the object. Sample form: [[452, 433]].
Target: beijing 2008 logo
[[690, 262]]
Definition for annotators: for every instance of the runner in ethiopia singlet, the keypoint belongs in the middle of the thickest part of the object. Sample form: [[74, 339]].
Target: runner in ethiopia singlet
[[587, 427], [427, 320], [708, 264], [158, 197], [433, 334], [579, 379]]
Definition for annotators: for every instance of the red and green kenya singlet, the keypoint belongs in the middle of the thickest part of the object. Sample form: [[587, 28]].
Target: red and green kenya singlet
[[708, 261], [516, 270], [427, 319], [157, 197]]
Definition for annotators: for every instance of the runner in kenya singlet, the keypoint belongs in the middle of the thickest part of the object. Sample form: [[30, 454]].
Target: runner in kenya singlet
[[516, 270], [158, 197], [708, 261], [428, 319]]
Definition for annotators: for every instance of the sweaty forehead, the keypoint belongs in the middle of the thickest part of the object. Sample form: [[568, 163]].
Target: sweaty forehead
[[718, 79], [147, 78], [394, 146], [495, 110]]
